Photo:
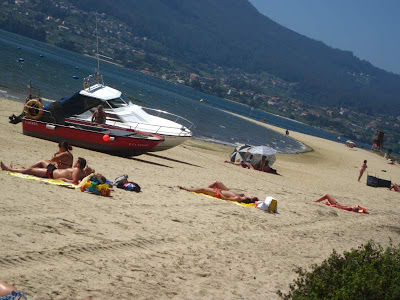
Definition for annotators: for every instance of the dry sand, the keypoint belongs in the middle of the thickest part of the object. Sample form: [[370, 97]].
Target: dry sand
[[165, 243]]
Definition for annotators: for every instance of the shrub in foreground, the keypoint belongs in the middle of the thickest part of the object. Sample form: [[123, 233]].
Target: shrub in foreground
[[369, 272]]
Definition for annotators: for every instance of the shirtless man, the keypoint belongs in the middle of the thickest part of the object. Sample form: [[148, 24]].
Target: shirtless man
[[74, 174], [62, 159], [99, 116], [219, 190]]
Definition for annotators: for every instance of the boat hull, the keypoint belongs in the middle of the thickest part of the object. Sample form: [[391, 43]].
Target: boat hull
[[89, 139], [169, 142]]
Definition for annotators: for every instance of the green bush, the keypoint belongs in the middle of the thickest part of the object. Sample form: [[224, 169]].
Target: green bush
[[369, 272]]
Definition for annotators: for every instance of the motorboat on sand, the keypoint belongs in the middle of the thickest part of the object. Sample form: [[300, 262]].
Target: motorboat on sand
[[123, 113], [122, 116], [54, 122], [108, 139]]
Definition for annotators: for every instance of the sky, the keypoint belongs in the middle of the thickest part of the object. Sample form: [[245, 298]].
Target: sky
[[368, 28]]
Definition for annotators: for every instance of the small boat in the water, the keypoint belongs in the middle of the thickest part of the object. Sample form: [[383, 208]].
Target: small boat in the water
[[75, 77]]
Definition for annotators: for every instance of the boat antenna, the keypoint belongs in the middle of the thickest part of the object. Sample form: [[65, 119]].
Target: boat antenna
[[97, 48]]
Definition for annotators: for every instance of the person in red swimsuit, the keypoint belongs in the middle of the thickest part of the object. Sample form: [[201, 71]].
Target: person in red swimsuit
[[333, 202], [395, 187], [218, 190]]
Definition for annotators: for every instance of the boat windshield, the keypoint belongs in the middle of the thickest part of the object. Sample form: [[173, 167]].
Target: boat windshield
[[117, 102]]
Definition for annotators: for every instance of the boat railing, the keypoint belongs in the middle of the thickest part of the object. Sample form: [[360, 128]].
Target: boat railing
[[177, 117], [157, 128]]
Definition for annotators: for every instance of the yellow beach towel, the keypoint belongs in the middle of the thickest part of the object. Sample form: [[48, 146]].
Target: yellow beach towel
[[46, 180], [234, 202]]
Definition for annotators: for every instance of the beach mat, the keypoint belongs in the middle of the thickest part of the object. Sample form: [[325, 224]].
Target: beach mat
[[234, 202], [363, 209], [46, 180]]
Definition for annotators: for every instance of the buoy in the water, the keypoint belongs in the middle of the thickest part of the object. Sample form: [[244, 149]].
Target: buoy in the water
[[21, 59], [77, 67], [18, 48], [201, 100], [41, 55], [75, 77]]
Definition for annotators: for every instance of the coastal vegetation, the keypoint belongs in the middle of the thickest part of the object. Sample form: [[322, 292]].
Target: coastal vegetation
[[228, 49], [369, 272]]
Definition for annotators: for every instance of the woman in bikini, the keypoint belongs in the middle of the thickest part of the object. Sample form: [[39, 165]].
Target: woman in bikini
[[62, 159], [333, 202], [219, 190], [362, 170]]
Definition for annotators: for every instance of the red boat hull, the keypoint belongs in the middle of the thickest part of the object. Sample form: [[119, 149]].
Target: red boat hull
[[121, 142]]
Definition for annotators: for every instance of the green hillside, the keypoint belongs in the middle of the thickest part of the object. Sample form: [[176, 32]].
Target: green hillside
[[233, 34], [224, 48]]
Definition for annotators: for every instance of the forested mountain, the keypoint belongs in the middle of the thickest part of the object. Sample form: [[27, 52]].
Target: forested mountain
[[232, 33], [224, 48]]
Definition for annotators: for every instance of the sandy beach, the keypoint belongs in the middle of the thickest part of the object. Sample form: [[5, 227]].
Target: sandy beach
[[166, 243]]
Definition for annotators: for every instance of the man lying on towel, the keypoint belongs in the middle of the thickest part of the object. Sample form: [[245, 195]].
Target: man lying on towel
[[219, 190], [74, 174], [332, 202]]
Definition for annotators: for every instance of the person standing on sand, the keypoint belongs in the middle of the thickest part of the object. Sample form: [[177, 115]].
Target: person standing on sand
[[362, 170], [74, 174]]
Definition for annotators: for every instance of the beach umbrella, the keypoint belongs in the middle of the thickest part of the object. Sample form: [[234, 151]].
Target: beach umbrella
[[260, 151], [240, 153]]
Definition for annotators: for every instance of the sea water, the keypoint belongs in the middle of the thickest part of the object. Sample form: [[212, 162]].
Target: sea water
[[53, 70]]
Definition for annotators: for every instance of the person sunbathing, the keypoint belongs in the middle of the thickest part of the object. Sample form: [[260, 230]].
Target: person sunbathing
[[7, 291], [395, 187], [243, 164], [333, 202], [62, 159], [219, 190], [74, 174], [262, 165]]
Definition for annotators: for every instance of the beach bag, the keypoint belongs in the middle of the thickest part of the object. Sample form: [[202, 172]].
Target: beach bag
[[122, 183], [269, 204], [129, 186], [120, 179]]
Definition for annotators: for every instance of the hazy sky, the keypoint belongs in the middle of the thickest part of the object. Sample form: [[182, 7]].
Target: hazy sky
[[368, 28]]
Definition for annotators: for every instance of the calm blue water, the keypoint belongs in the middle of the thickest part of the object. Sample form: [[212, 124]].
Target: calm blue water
[[53, 72]]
